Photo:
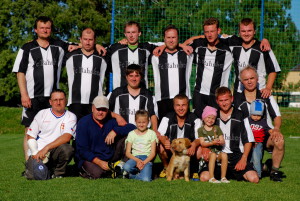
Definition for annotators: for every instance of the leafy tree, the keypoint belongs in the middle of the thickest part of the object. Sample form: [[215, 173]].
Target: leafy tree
[[70, 17]]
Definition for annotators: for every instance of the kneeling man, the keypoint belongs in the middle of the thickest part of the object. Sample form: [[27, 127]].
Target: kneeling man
[[52, 129], [99, 140]]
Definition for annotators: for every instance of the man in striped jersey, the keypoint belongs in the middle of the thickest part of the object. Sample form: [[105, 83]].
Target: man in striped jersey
[[246, 51], [85, 69], [171, 72], [213, 60], [126, 100], [38, 66], [120, 56], [238, 139], [179, 124], [275, 143]]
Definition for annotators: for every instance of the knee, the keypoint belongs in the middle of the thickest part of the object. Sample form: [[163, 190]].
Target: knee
[[204, 176], [253, 178], [67, 151]]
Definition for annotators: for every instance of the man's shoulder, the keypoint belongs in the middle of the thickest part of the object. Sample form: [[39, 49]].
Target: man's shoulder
[[191, 116], [30, 45], [120, 90], [146, 92], [116, 46], [237, 114], [85, 120], [75, 52]]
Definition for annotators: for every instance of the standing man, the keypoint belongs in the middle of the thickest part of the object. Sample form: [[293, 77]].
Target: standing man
[[179, 124], [172, 71], [86, 70], [38, 67], [52, 129], [246, 51], [120, 56], [238, 139], [99, 140], [213, 60], [126, 100], [275, 142]]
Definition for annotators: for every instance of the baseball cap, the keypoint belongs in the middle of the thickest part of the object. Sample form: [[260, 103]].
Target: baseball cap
[[101, 102], [257, 108]]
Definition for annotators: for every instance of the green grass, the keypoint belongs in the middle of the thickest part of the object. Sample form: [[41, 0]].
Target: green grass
[[15, 187]]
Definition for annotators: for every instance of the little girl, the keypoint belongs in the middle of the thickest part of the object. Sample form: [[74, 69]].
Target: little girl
[[140, 148], [211, 136]]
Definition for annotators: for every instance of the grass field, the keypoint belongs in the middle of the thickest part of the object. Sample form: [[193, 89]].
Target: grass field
[[15, 187]]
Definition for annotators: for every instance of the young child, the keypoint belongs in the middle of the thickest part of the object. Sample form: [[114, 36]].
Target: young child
[[260, 131], [140, 148], [211, 136]]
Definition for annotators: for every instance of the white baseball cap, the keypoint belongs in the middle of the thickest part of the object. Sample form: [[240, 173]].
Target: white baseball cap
[[101, 102]]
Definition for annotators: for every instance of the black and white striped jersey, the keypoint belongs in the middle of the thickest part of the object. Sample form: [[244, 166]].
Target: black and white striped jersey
[[213, 67], [169, 127], [172, 74], [41, 66], [264, 62], [120, 56], [126, 105], [85, 76], [236, 132], [271, 107]]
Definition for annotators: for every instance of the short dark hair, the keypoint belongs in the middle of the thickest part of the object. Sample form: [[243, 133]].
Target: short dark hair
[[43, 19], [88, 30], [222, 90], [211, 21], [130, 23], [169, 27], [180, 97], [143, 113], [247, 21], [57, 91], [134, 68]]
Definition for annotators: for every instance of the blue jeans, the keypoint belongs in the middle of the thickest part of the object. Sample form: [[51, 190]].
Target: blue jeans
[[257, 155], [134, 173]]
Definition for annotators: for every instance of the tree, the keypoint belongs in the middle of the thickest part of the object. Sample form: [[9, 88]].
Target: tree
[[17, 20]]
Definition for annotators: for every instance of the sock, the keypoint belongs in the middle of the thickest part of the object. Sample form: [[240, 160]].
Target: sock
[[274, 169]]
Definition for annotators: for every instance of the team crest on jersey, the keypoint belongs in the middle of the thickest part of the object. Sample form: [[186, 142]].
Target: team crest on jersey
[[62, 126]]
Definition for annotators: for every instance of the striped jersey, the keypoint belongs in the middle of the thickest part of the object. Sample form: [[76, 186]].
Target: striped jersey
[[120, 56], [236, 132], [126, 105], [41, 66], [264, 62], [171, 72], [169, 127], [85, 76], [213, 67], [271, 107]]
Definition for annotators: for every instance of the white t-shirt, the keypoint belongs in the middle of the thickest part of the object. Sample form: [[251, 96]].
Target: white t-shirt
[[47, 127]]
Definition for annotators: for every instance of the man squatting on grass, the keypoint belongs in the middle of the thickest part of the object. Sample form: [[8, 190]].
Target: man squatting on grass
[[52, 130]]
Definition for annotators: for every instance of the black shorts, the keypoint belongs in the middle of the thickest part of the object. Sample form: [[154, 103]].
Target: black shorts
[[80, 110], [233, 159], [37, 104]]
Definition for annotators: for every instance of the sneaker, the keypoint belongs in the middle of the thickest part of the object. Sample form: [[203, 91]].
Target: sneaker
[[125, 175], [267, 167], [276, 176], [225, 180], [111, 167], [214, 181], [118, 166], [56, 177], [163, 173], [195, 177]]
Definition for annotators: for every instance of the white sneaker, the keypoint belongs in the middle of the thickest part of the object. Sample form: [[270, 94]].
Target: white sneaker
[[225, 181], [214, 181]]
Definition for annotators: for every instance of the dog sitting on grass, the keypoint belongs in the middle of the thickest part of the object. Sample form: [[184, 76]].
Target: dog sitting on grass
[[180, 161]]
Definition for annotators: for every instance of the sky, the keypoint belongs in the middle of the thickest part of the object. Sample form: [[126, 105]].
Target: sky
[[295, 12]]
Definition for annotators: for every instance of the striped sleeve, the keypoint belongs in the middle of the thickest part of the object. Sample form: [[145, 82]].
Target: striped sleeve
[[248, 136], [163, 126], [21, 62]]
